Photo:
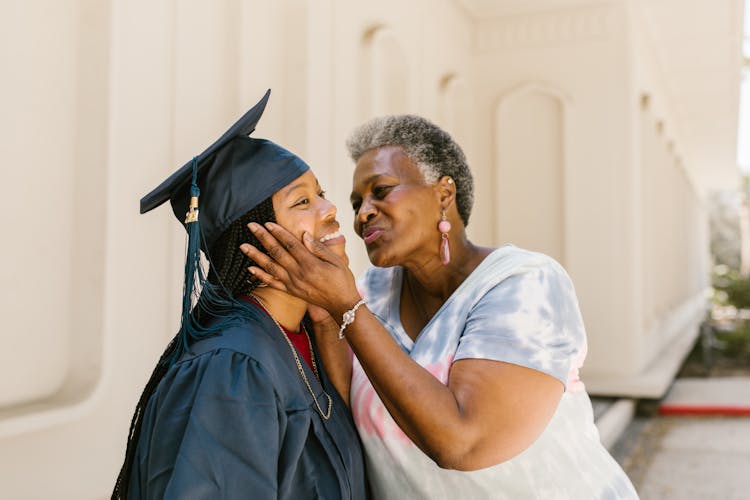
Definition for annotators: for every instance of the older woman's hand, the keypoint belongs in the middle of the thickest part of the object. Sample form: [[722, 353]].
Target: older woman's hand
[[307, 269]]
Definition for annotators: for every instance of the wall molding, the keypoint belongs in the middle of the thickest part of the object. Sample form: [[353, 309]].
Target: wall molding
[[546, 29]]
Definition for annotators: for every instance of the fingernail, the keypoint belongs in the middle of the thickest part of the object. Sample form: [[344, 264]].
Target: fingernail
[[306, 236], [270, 226], [253, 226], [251, 270], [244, 247]]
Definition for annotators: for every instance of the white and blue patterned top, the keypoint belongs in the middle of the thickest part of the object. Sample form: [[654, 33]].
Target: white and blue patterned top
[[518, 307]]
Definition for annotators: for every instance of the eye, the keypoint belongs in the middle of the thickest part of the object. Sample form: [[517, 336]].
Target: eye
[[302, 202], [380, 192], [322, 194], [355, 205]]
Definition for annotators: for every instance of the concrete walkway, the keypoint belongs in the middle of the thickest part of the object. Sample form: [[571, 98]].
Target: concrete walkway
[[688, 454]]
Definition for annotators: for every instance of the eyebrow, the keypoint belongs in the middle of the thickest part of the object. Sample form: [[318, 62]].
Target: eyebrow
[[365, 182], [293, 187], [303, 184]]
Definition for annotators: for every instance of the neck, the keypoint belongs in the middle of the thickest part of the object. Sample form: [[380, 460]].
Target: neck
[[285, 309], [440, 281]]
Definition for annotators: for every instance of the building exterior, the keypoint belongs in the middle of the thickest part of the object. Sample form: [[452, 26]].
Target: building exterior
[[594, 128]]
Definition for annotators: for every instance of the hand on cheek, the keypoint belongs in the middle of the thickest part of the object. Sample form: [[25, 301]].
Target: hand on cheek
[[340, 250]]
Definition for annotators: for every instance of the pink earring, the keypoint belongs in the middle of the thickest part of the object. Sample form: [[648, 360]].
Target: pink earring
[[445, 250]]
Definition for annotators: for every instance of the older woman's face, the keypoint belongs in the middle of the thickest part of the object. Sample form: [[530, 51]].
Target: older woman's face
[[395, 211]]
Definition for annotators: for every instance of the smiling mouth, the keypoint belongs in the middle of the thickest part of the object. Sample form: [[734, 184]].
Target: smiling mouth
[[332, 237]]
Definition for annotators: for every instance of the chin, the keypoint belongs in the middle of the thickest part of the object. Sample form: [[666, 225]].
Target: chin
[[377, 259]]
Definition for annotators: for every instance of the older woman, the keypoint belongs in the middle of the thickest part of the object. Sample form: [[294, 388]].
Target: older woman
[[464, 382]]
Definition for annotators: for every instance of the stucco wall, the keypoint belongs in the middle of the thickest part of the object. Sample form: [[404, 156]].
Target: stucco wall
[[104, 99]]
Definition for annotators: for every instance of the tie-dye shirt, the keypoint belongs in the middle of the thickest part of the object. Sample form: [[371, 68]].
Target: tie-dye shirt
[[518, 307]]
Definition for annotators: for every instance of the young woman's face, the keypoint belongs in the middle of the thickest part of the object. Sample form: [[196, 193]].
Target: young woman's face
[[301, 206]]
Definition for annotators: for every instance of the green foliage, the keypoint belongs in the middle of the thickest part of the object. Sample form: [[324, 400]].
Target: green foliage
[[730, 288], [736, 342]]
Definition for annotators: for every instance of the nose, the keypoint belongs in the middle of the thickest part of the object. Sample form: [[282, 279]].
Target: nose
[[365, 213], [328, 210]]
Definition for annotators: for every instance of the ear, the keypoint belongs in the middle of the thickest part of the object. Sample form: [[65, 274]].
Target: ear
[[446, 190]]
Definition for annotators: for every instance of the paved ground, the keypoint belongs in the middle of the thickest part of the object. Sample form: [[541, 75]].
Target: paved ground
[[686, 457]]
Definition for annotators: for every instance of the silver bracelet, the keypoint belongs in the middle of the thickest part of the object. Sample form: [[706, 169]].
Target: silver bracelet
[[348, 318]]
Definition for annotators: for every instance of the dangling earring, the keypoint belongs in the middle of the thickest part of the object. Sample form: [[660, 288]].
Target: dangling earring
[[445, 250]]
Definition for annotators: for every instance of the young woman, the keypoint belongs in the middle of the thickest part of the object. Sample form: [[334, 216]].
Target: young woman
[[239, 405]]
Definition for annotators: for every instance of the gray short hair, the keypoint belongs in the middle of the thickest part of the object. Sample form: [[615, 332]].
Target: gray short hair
[[430, 147]]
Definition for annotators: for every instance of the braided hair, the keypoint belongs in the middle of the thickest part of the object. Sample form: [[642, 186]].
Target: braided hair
[[229, 265], [227, 278]]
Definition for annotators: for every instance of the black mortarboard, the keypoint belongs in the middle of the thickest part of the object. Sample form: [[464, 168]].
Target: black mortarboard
[[217, 187], [234, 174]]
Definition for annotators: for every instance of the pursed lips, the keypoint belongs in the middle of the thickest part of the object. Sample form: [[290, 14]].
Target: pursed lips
[[371, 234]]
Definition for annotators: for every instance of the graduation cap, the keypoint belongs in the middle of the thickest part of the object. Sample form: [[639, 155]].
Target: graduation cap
[[231, 177]]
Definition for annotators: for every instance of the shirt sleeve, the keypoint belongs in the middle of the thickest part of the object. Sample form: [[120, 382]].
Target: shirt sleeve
[[231, 443], [530, 319]]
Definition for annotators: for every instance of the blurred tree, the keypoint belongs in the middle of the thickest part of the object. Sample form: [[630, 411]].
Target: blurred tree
[[744, 214], [724, 226]]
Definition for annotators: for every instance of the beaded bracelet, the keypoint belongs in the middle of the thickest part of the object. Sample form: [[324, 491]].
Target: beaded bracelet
[[348, 318]]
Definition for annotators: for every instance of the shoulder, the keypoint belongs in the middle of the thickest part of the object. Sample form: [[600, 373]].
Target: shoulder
[[249, 342], [527, 315], [529, 288], [510, 270], [514, 260], [246, 362]]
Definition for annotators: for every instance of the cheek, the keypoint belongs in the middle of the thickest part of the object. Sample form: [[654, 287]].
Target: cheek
[[298, 229], [412, 220], [306, 224], [412, 231], [355, 224], [292, 222]]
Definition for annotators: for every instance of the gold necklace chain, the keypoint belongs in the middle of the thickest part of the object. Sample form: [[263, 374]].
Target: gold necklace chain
[[326, 415]]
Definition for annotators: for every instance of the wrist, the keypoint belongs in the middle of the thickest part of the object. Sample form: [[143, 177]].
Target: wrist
[[325, 331], [348, 317], [345, 304], [326, 321]]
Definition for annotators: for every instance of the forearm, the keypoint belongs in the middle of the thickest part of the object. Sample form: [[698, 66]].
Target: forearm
[[423, 407], [335, 356]]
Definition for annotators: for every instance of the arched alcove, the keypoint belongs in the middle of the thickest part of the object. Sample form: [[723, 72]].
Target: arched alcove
[[53, 333], [296, 65], [529, 152], [455, 110], [384, 74]]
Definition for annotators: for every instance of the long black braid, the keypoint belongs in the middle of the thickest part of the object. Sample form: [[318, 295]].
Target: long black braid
[[229, 276]]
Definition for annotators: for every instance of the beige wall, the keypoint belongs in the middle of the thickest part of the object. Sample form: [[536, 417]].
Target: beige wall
[[105, 99]]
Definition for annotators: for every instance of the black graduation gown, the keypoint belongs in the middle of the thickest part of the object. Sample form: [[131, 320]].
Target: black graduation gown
[[232, 419]]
